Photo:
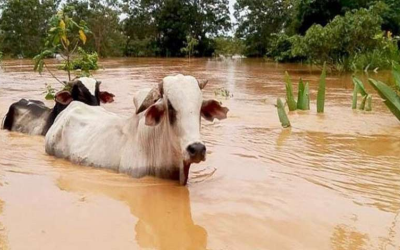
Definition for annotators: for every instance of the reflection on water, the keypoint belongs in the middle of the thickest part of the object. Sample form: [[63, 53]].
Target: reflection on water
[[345, 238], [163, 211], [332, 181]]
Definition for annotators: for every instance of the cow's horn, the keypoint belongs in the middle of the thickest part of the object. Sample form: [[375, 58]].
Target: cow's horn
[[152, 97], [202, 83]]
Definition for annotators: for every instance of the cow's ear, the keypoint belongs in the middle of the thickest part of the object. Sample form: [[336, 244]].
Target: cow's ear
[[63, 97], [106, 97], [154, 114], [211, 109]]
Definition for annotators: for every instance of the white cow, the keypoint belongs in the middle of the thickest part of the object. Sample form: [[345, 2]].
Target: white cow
[[161, 139]]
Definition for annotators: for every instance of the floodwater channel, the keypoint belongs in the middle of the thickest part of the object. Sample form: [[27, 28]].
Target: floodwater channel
[[331, 181]]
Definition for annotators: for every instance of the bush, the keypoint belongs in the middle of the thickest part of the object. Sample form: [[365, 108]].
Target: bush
[[228, 46], [139, 48], [350, 42], [282, 49]]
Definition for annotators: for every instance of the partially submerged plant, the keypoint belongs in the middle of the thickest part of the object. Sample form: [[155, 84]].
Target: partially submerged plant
[[289, 93], [303, 95], [321, 91], [223, 92], [390, 95], [366, 103], [283, 118]]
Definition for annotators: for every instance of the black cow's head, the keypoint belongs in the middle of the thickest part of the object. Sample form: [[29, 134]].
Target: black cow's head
[[86, 90]]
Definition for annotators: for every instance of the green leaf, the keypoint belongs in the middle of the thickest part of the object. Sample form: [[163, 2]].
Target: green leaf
[[396, 75], [391, 99], [49, 96], [300, 92], [368, 106], [361, 87], [321, 91], [283, 118], [362, 105], [303, 99], [355, 93], [289, 93]]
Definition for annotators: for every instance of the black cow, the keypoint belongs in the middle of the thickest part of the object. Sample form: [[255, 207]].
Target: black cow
[[33, 117]]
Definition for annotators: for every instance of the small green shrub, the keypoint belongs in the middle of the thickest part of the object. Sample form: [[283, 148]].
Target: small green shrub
[[85, 62], [228, 46]]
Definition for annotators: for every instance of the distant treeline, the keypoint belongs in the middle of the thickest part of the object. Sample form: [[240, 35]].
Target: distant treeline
[[285, 30]]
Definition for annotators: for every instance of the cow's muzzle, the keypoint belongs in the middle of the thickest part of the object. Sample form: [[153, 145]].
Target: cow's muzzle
[[197, 152]]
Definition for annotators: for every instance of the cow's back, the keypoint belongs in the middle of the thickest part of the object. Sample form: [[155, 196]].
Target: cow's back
[[27, 116], [87, 135]]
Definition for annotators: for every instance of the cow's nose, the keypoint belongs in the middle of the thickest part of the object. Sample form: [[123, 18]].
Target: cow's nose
[[197, 152]]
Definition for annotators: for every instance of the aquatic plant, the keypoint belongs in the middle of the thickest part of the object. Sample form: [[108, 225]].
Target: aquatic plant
[[390, 95], [303, 96], [283, 118], [289, 93], [321, 91], [366, 103]]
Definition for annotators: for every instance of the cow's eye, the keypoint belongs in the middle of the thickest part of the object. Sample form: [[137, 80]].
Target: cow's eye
[[171, 113]]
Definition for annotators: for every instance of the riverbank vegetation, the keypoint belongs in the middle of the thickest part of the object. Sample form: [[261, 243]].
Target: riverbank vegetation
[[349, 35]]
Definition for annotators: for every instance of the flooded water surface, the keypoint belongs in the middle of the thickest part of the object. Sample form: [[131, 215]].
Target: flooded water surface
[[332, 181]]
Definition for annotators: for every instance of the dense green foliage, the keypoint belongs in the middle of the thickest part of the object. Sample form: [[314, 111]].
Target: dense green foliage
[[354, 41], [161, 27], [23, 25], [347, 34]]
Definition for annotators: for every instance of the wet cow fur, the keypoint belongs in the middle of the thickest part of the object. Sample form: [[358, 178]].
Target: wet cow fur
[[161, 139], [33, 117]]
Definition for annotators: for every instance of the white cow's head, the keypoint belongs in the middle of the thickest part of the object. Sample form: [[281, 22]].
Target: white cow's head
[[178, 101]]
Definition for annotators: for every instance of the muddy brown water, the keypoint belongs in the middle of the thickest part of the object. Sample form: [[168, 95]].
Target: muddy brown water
[[332, 181]]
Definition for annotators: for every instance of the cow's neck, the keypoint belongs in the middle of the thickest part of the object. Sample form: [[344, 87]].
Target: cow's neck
[[55, 111], [159, 150]]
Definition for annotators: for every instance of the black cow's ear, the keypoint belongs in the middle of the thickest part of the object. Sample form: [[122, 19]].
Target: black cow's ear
[[63, 97], [106, 97], [211, 109], [155, 113]]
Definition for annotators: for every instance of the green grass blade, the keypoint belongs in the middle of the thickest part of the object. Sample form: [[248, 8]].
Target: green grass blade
[[300, 95], [368, 106], [391, 99], [289, 93], [283, 118], [396, 74], [306, 96], [321, 91], [362, 105], [361, 87], [355, 93]]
